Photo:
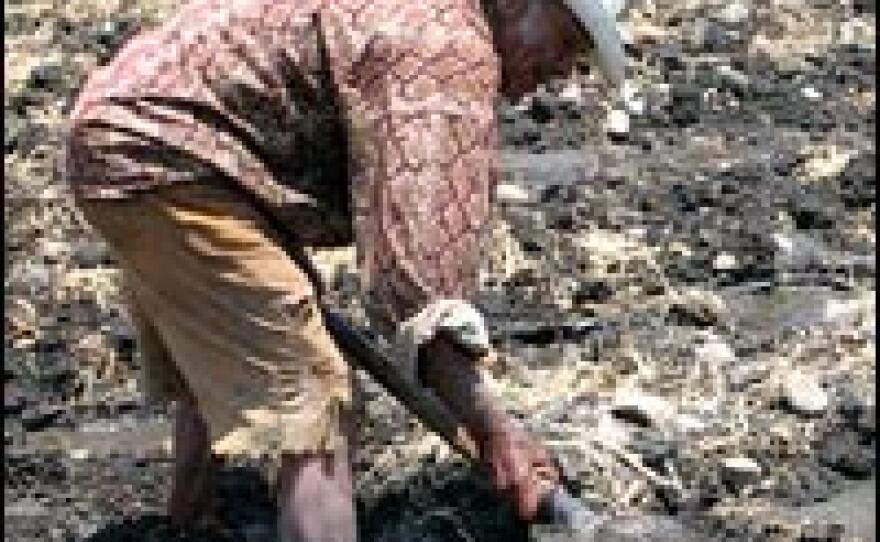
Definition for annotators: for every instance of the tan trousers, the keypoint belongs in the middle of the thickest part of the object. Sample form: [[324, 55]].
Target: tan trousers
[[225, 314]]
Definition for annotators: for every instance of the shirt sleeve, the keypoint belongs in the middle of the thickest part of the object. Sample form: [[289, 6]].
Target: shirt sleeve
[[426, 167]]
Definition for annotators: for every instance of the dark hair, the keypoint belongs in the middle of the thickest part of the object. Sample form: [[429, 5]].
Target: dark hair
[[493, 17], [490, 9]]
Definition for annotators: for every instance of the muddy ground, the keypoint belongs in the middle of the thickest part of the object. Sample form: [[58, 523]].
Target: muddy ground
[[683, 289]]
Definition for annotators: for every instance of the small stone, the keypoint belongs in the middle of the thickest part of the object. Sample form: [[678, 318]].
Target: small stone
[[742, 375], [609, 430], [690, 424], [14, 400], [638, 528], [39, 417], [784, 243], [741, 465], [715, 351], [842, 453], [55, 249], [27, 507], [846, 314], [109, 33], [633, 98], [734, 77], [641, 409], [46, 76], [99, 426], [573, 93], [87, 530], [617, 122], [811, 93], [858, 412], [740, 471], [79, 453], [613, 7], [734, 13], [511, 193], [724, 261], [802, 394]]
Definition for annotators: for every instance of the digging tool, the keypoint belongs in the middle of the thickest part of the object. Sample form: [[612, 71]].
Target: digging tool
[[558, 507]]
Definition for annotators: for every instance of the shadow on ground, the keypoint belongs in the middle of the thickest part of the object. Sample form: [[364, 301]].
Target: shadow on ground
[[245, 509], [438, 502]]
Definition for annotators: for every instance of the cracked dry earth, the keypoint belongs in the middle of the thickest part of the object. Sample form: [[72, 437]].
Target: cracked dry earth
[[682, 286]]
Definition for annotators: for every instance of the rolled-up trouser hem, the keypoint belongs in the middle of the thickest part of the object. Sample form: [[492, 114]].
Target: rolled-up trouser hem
[[226, 315]]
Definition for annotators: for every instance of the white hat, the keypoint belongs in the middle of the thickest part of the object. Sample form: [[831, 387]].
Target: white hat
[[598, 18]]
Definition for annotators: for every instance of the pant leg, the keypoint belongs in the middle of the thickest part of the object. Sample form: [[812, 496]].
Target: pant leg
[[237, 315], [161, 381]]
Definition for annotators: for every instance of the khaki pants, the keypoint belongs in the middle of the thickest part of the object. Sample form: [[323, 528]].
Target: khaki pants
[[225, 314]]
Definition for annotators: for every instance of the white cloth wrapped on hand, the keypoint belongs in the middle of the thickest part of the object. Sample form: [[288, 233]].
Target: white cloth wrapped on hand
[[458, 319]]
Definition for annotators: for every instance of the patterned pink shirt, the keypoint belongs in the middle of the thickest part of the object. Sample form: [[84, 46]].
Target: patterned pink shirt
[[381, 111]]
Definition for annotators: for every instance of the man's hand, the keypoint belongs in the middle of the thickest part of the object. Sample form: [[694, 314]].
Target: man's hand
[[519, 466]]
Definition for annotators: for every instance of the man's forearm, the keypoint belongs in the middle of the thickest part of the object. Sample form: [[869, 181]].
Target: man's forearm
[[519, 466], [457, 381]]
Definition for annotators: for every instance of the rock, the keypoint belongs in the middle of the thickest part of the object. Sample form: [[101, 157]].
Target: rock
[[39, 417], [849, 313], [741, 376], [14, 400], [573, 94], [54, 250], [740, 471], [627, 527], [802, 394], [734, 13], [109, 34], [724, 261], [733, 77], [27, 507], [715, 37], [596, 291], [715, 352], [543, 108], [858, 413], [690, 312], [617, 122], [100, 426], [614, 7], [47, 76], [645, 528], [511, 193], [633, 98], [811, 93], [795, 250], [842, 453], [610, 430], [856, 31], [78, 453], [690, 424], [642, 409]]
